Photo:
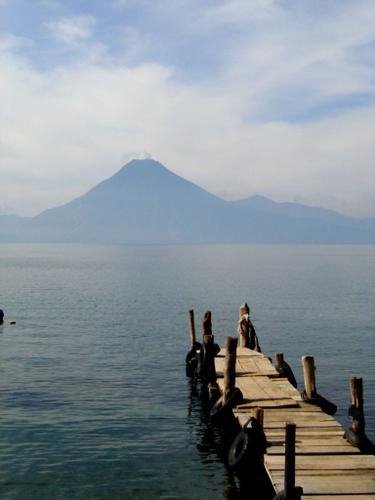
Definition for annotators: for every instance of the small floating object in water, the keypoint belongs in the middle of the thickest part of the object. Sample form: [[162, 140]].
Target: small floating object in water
[[12, 322]]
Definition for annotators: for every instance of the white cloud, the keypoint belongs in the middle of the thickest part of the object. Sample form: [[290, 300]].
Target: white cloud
[[71, 30], [301, 60], [8, 42], [63, 131]]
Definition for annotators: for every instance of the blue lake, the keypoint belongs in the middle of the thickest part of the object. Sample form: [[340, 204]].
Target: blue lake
[[94, 398]]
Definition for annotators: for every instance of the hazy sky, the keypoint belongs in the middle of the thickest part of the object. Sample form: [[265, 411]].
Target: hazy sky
[[242, 97]]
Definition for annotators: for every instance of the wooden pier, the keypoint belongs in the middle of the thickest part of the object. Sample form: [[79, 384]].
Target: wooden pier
[[324, 465], [327, 466]]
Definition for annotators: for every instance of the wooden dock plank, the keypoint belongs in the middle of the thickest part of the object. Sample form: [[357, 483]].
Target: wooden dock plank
[[344, 496], [329, 484], [314, 449], [249, 365], [347, 463]]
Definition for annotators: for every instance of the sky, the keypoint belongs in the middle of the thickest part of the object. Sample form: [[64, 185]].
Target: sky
[[242, 97]]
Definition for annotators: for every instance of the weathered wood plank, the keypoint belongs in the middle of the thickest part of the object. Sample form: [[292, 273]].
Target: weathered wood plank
[[358, 496], [306, 424], [265, 404], [306, 449], [329, 484], [344, 463], [242, 352], [295, 413], [250, 365], [278, 440]]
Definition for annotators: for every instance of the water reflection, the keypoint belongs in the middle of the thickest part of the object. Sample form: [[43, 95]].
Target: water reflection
[[213, 443]]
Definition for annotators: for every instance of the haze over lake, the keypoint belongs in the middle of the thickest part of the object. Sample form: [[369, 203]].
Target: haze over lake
[[94, 397]]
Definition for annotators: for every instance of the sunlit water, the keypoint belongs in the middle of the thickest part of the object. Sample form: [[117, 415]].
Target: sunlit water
[[94, 398]]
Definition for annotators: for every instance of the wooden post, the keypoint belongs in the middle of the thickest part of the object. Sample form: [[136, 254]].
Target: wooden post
[[230, 367], [290, 492], [290, 461], [244, 326], [259, 415], [207, 324], [209, 361], [309, 376], [356, 393], [208, 370], [284, 369], [192, 327]]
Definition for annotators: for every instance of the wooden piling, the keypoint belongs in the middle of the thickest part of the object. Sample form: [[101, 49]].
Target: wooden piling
[[244, 325], [284, 369], [290, 460], [192, 327], [209, 370], [356, 393], [230, 367], [309, 376], [244, 309], [259, 415], [207, 324], [310, 394]]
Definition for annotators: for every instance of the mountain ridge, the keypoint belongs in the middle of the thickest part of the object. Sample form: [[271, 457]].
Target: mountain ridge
[[145, 202]]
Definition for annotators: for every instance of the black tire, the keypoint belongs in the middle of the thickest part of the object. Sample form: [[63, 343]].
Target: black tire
[[238, 452], [190, 355], [193, 352], [248, 446], [192, 360], [219, 409]]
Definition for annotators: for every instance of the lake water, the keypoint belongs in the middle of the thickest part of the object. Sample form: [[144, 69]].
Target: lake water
[[94, 398]]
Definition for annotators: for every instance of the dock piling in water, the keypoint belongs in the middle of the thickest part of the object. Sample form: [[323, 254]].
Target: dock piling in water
[[207, 324], [192, 327], [291, 492], [356, 393], [259, 415], [230, 367], [193, 357], [284, 369], [209, 351], [356, 433], [310, 394], [290, 459], [309, 376], [244, 325]]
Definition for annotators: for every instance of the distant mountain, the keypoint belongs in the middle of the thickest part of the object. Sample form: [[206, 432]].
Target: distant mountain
[[297, 210], [146, 203]]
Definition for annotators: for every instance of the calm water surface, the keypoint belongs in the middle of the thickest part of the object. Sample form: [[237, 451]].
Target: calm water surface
[[94, 398]]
